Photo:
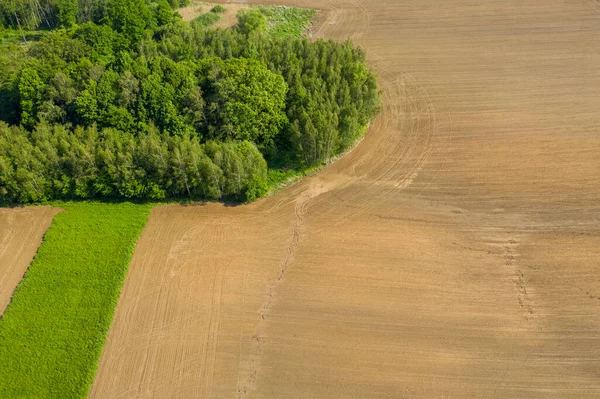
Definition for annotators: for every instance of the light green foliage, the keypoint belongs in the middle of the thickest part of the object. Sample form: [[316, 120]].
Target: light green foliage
[[250, 102], [102, 42], [52, 162], [243, 167], [130, 18], [257, 188], [58, 51], [67, 12], [205, 20], [287, 22], [251, 20], [86, 108], [164, 13], [30, 92], [279, 177], [52, 333], [106, 91]]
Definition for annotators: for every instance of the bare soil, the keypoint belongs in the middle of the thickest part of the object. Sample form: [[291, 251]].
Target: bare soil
[[228, 18], [454, 253], [21, 233]]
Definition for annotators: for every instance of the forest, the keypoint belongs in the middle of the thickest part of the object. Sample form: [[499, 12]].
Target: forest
[[122, 99]]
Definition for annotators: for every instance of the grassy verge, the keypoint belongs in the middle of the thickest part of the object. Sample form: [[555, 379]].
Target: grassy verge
[[9, 37], [280, 178], [287, 22], [206, 19], [53, 331]]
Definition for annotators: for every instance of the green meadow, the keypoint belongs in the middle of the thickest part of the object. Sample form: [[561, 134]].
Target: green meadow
[[53, 331]]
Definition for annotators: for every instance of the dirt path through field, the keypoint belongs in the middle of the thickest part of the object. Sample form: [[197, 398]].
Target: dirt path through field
[[21, 232], [454, 253]]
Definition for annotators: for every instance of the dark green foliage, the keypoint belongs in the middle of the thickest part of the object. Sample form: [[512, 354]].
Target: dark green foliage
[[251, 20], [31, 88], [143, 79], [218, 9], [331, 93], [53, 331], [44, 14], [13, 58]]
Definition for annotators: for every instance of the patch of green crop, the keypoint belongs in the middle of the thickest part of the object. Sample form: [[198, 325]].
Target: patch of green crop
[[53, 331], [287, 22], [206, 19]]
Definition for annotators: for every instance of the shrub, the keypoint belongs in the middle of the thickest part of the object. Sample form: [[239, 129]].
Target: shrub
[[251, 20], [206, 19]]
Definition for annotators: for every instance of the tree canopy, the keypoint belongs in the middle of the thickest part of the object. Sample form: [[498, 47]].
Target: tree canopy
[[249, 101], [132, 102], [251, 20]]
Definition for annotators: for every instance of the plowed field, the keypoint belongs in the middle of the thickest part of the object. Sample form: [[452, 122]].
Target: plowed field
[[454, 253], [21, 232]]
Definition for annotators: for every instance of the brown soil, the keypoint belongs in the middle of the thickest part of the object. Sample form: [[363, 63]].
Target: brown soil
[[454, 253], [21, 232], [228, 18]]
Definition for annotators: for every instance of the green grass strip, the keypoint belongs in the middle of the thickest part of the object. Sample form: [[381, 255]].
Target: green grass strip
[[287, 22], [207, 19], [53, 331]]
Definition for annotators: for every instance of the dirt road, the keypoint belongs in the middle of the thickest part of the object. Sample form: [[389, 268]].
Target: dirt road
[[21, 232], [454, 253]]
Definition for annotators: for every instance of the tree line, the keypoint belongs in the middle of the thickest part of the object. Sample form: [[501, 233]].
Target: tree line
[[53, 162], [139, 79], [49, 14]]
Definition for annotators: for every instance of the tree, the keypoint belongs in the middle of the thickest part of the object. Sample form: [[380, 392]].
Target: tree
[[86, 108], [129, 17], [67, 12], [193, 107], [30, 94], [181, 110], [164, 13], [251, 20], [249, 101], [102, 42]]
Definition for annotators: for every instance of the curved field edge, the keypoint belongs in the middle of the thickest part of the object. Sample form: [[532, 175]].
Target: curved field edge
[[454, 254], [53, 331], [279, 179], [70, 186]]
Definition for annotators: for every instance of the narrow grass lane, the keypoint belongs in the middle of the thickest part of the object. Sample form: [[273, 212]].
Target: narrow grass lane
[[53, 331]]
